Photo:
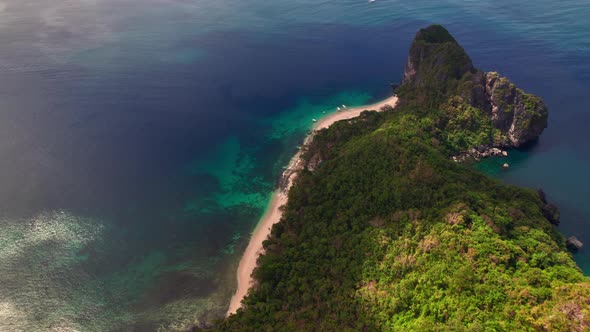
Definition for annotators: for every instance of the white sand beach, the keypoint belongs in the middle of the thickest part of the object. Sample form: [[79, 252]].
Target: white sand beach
[[273, 213]]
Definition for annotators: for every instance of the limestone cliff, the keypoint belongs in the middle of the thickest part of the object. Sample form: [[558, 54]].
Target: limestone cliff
[[435, 55], [439, 70], [521, 116]]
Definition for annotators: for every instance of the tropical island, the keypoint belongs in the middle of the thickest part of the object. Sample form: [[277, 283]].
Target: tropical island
[[386, 227]]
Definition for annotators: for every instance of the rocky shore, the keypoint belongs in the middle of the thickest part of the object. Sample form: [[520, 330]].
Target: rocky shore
[[480, 153], [274, 210]]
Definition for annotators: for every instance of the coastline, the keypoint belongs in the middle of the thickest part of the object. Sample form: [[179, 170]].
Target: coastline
[[273, 214]]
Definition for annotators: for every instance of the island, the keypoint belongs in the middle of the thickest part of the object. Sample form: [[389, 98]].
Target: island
[[383, 226]]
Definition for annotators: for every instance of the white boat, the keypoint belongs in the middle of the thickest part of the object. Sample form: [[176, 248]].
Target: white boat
[[343, 106], [314, 120], [338, 108]]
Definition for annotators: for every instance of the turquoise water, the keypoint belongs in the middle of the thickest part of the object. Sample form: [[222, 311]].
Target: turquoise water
[[140, 140]]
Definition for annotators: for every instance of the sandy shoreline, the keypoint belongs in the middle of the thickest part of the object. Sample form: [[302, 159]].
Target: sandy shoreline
[[279, 198]]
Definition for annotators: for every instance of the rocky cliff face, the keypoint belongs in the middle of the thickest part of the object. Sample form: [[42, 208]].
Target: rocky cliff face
[[435, 55], [521, 116], [438, 69]]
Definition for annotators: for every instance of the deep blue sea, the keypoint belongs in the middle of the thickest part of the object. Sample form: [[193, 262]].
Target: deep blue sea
[[140, 139]]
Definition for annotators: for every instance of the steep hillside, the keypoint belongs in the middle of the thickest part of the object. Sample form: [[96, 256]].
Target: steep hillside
[[481, 110], [387, 233]]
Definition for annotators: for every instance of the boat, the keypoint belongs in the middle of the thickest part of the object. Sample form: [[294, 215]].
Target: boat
[[314, 120]]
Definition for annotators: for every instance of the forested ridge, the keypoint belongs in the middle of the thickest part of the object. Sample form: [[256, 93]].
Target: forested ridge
[[387, 233]]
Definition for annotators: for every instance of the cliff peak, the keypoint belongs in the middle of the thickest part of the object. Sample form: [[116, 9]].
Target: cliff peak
[[435, 34], [435, 56], [438, 70]]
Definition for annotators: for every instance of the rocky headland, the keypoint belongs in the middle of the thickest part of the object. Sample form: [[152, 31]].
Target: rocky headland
[[382, 231], [502, 115]]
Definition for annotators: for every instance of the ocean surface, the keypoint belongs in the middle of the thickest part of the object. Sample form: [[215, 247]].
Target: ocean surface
[[140, 140]]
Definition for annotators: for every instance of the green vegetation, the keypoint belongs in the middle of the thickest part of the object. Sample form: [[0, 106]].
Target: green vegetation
[[465, 126], [388, 234], [504, 89], [441, 66], [532, 103]]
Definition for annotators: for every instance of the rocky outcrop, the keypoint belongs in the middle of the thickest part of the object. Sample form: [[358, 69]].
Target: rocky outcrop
[[435, 56], [479, 153], [438, 69], [573, 244], [550, 211], [521, 116]]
